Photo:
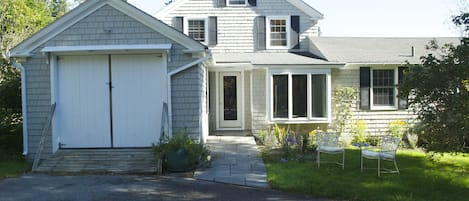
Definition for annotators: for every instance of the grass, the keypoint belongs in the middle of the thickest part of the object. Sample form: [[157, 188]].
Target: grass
[[446, 178], [12, 164]]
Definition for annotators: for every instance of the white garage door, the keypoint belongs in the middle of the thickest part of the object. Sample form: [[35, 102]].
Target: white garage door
[[137, 99], [91, 114]]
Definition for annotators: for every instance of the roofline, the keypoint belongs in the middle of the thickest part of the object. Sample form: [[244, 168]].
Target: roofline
[[166, 8], [87, 8], [300, 4], [306, 8]]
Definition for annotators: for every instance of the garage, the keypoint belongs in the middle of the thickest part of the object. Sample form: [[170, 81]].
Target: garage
[[109, 100]]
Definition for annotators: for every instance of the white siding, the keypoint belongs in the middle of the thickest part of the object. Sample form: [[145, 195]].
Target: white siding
[[236, 25], [259, 113], [376, 121]]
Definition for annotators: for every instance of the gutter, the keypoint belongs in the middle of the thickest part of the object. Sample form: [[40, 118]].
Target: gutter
[[170, 75], [23, 105]]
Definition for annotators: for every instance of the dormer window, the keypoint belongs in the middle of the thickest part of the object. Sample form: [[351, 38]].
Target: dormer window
[[236, 2], [278, 32], [197, 28]]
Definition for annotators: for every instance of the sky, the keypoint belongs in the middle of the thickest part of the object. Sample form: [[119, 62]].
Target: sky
[[374, 18]]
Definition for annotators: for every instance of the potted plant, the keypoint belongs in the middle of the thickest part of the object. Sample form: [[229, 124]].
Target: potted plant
[[180, 153]]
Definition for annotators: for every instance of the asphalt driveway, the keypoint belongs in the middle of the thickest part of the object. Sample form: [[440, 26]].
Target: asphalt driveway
[[123, 187]]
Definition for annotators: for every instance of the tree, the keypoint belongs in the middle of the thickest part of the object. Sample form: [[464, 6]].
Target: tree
[[438, 90], [18, 20]]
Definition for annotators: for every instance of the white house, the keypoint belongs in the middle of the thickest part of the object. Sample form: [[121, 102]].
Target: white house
[[120, 77]]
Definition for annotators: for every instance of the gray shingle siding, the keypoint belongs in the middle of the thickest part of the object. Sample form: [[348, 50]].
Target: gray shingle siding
[[124, 31]]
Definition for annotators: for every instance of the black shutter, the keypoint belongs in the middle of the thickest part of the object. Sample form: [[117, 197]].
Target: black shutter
[[402, 102], [365, 88], [252, 2], [295, 32], [212, 31], [178, 23], [221, 3], [261, 33]]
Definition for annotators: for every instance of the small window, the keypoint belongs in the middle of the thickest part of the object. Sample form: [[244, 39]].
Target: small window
[[236, 2], [196, 29], [318, 96], [299, 93], [383, 88], [280, 92], [278, 32]]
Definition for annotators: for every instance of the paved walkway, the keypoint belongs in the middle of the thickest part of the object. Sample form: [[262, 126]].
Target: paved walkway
[[235, 160]]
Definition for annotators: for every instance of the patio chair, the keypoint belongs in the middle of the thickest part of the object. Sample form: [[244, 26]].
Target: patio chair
[[387, 152], [328, 143]]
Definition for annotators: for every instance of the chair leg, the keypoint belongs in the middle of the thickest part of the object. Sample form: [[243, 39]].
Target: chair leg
[[395, 165], [343, 160], [318, 159], [361, 163], [379, 167]]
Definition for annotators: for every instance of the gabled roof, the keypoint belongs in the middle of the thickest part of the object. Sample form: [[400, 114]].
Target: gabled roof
[[374, 50], [25, 48], [300, 4], [306, 8]]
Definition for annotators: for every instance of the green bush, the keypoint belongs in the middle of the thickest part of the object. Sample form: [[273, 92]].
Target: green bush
[[197, 153], [359, 131]]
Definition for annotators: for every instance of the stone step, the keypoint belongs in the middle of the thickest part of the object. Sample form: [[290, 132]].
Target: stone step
[[133, 161]]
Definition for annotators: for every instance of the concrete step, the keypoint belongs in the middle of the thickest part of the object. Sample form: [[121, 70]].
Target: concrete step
[[129, 161]]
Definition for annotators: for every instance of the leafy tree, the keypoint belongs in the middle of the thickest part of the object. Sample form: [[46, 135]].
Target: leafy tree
[[18, 20], [438, 90]]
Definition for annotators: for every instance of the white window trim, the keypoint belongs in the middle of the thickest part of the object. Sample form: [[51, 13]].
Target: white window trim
[[186, 26], [309, 118], [235, 5], [391, 107], [288, 30]]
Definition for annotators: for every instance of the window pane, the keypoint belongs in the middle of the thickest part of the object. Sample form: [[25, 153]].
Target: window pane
[[383, 87], [278, 32], [280, 96], [230, 98], [299, 83], [196, 30], [318, 95], [237, 2]]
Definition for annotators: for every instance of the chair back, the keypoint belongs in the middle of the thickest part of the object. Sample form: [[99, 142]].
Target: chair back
[[390, 144], [327, 139]]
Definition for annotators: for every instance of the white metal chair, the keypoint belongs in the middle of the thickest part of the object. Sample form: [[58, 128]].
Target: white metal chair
[[387, 152], [328, 143]]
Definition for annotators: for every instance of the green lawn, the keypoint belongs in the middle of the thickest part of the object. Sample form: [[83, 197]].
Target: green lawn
[[420, 178], [11, 162]]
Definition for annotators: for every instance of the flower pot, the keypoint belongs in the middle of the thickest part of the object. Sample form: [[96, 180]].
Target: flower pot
[[177, 161]]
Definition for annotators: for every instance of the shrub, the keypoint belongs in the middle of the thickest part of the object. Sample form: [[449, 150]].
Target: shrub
[[359, 131], [197, 153], [397, 128]]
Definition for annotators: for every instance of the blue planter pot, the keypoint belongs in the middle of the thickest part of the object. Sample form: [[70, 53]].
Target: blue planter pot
[[177, 161]]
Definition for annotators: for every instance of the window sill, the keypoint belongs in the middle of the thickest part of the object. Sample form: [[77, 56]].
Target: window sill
[[300, 121], [383, 108]]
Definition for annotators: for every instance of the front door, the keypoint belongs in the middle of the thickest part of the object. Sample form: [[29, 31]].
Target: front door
[[230, 101]]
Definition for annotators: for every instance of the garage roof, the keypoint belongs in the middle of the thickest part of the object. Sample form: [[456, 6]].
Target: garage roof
[[25, 48]]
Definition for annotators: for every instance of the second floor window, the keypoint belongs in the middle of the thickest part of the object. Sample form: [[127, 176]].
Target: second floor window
[[237, 2], [278, 32], [196, 29]]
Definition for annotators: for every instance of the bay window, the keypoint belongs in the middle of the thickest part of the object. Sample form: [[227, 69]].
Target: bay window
[[299, 97]]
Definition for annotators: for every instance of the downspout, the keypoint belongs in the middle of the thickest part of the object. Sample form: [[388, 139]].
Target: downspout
[[170, 75], [23, 105]]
